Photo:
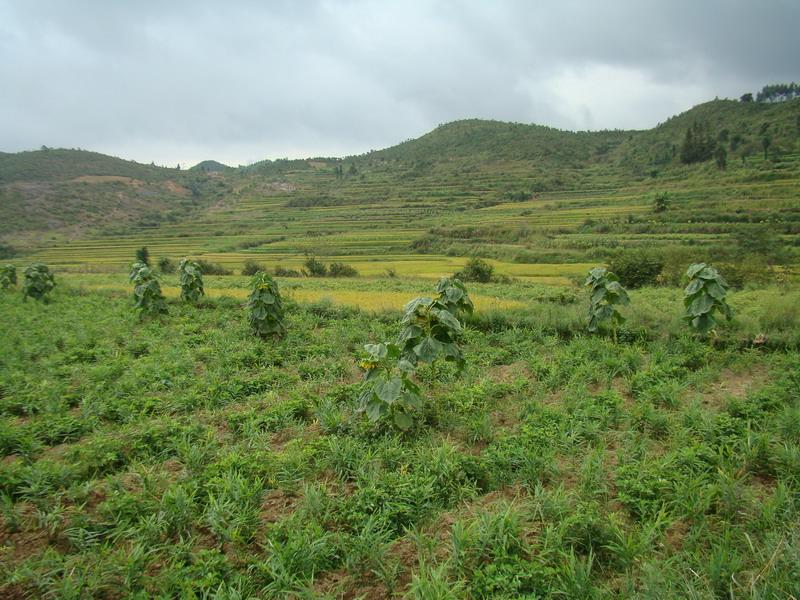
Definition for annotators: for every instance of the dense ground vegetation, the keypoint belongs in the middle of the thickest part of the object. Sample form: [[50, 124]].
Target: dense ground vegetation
[[300, 430], [182, 456]]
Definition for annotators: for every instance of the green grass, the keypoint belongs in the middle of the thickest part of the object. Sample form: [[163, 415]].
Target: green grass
[[183, 457]]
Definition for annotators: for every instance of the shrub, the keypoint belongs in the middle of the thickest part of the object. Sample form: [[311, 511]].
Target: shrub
[[607, 294], [191, 281], [660, 202], [751, 269], [704, 296], [265, 309], [284, 272], [342, 270], [209, 268], [166, 265], [251, 267], [147, 295], [8, 276], [636, 268], [477, 270], [39, 282], [315, 268]]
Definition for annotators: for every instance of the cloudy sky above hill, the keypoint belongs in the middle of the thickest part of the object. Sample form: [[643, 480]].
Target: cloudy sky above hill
[[181, 81]]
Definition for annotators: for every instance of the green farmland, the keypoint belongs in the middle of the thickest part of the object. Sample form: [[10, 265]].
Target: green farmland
[[177, 454]]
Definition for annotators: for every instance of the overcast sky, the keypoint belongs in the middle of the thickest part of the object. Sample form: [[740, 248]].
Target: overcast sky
[[178, 82]]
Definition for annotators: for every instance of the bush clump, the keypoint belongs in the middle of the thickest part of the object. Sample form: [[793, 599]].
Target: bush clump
[[477, 270], [166, 265], [209, 268], [251, 267], [286, 272], [313, 267], [338, 269], [637, 268]]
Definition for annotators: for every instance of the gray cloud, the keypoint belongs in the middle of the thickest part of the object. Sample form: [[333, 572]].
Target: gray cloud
[[183, 81]]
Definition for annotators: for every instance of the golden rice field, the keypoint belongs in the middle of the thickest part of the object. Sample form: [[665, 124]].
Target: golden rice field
[[366, 300]]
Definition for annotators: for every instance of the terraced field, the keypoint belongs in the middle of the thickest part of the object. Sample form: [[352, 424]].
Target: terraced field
[[375, 224]]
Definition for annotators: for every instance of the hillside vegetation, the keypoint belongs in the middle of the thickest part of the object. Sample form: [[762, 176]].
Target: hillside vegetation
[[520, 195]]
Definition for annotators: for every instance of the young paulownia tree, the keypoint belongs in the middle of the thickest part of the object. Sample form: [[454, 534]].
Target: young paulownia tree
[[147, 295], [39, 282], [191, 281], [8, 276], [704, 296], [264, 306], [607, 295], [389, 390], [431, 331]]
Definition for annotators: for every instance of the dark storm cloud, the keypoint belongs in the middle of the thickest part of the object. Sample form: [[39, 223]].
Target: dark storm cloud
[[183, 81]]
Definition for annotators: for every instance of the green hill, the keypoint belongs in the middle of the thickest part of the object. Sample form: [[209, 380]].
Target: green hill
[[522, 195], [68, 193], [58, 164], [211, 166]]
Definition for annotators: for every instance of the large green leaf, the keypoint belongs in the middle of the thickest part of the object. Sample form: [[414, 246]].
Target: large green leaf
[[375, 408], [428, 349], [388, 390], [402, 420], [694, 269], [704, 323], [377, 351], [715, 290], [701, 305], [694, 286]]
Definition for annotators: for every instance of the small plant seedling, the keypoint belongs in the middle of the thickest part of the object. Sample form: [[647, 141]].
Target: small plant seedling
[[265, 309], [8, 276], [39, 282], [607, 295], [388, 390], [147, 294], [191, 281], [704, 296]]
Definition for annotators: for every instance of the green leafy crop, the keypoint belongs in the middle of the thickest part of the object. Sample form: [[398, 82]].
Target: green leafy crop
[[389, 390], [39, 282], [8, 276], [147, 291], [265, 309], [704, 296], [191, 281], [607, 295], [431, 331]]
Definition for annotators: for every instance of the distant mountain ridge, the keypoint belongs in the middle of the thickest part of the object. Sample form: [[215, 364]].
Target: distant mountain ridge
[[72, 192]]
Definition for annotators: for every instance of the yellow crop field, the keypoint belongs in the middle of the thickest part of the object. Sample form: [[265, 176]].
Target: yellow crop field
[[375, 301]]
